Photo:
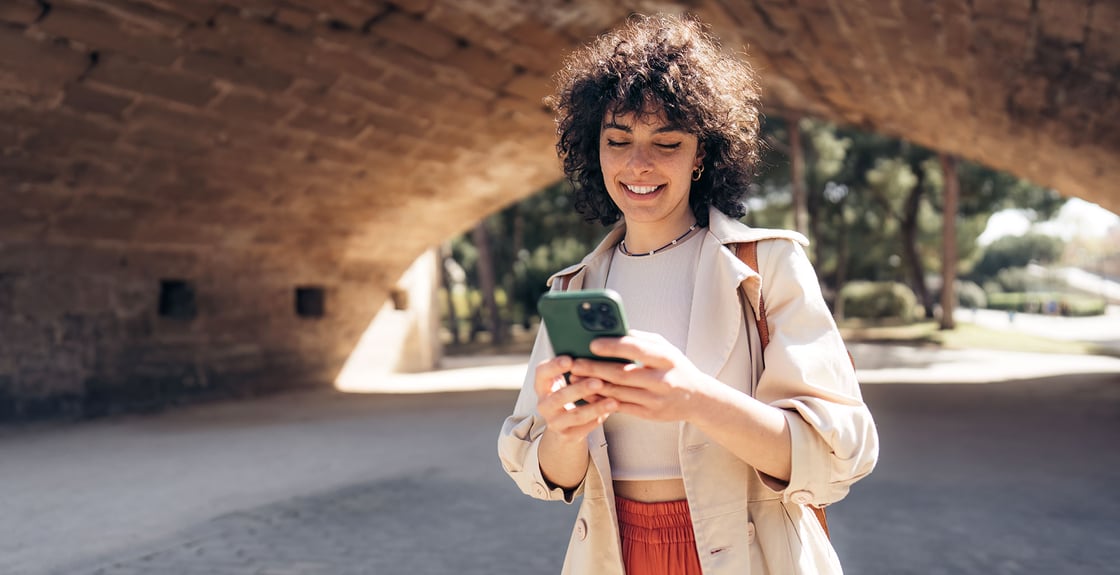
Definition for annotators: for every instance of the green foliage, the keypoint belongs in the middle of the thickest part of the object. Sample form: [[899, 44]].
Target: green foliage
[[529, 241], [859, 188], [878, 300], [1016, 279], [969, 295], [1018, 251], [1048, 302]]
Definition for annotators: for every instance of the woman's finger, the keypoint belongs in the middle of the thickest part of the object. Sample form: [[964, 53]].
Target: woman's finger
[[567, 395], [548, 372], [616, 373], [626, 394], [580, 416], [648, 351]]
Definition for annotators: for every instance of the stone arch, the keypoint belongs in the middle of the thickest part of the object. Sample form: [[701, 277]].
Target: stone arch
[[248, 149]]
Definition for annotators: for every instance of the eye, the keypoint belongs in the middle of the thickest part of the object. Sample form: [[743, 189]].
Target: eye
[[672, 146], [615, 143]]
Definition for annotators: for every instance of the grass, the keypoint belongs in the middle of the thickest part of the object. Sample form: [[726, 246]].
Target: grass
[[922, 333], [965, 336]]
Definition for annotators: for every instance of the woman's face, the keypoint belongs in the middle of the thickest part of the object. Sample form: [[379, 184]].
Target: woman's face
[[647, 168]]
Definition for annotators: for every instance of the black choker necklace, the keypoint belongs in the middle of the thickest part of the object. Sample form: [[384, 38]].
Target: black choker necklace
[[622, 244]]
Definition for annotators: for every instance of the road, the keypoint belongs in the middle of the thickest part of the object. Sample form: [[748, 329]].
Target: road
[[1015, 477]]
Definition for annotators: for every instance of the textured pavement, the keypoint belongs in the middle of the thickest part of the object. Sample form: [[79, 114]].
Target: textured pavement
[[1016, 477]]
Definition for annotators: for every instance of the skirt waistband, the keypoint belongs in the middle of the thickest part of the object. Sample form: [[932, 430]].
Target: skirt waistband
[[660, 522]]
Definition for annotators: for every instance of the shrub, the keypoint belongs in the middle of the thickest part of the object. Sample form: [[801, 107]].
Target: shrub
[[876, 300], [969, 295], [1050, 303], [1012, 280], [1018, 251]]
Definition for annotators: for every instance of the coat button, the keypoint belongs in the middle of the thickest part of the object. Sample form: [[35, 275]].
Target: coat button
[[581, 529], [801, 497], [539, 490], [750, 532]]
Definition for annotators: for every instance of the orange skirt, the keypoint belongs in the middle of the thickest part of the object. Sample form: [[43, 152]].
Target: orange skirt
[[657, 538]]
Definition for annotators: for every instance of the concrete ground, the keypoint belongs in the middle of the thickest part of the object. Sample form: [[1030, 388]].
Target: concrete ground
[[1013, 477]]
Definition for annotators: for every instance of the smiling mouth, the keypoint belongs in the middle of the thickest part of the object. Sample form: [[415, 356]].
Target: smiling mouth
[[642, 190]]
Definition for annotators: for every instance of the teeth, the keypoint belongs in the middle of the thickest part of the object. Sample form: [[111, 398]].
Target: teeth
[[642, 189]]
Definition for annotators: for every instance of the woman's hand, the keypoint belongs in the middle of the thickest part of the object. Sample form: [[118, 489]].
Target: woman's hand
[[661, 385], [563, 454], [665, 385], [566, 420]]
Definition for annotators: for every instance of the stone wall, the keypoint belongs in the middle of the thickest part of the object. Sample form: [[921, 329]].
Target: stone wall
[[215, 158]]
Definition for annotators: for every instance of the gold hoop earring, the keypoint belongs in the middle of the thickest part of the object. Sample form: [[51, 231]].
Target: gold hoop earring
[[696, 173]]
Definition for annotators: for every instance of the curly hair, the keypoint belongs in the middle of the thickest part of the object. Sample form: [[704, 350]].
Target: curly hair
[[648, 65]]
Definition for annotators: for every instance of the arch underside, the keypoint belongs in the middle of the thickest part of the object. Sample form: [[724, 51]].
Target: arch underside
[[252, 148]]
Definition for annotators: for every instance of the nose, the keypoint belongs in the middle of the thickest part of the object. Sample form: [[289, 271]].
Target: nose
[[640, 160]]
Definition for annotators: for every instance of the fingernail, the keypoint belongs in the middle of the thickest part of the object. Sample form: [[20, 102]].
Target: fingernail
[[595, 384]]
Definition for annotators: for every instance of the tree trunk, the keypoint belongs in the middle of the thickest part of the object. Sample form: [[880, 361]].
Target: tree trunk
[[841, 264], [910, 246], [518, 243], [949, 241], [449, 287], [487, 283], [797, 177]]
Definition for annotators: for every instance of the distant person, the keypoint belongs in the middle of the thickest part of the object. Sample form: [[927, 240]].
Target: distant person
[[698, 458]]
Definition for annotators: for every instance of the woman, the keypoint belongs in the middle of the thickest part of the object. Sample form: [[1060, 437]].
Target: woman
[[696, 458]]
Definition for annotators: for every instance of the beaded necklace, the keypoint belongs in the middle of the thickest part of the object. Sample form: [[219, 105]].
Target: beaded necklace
[[622, 244]]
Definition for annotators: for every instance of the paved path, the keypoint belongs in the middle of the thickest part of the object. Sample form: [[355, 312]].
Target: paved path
[[1102, 330], [1016, 477]]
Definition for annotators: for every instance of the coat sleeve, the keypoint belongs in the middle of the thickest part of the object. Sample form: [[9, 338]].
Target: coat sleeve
[[520, 438], [809, 374]]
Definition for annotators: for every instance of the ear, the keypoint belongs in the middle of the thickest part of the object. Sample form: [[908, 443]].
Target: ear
[[700, 154]]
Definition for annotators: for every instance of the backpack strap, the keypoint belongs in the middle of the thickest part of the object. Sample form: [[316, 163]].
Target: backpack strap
[[748, 254]]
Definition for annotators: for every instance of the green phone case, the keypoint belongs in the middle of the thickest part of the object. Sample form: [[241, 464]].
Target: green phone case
[[574, 318]]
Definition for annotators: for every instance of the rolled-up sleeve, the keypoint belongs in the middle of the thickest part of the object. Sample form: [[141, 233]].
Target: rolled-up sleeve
[[520, 439], [809, 374]]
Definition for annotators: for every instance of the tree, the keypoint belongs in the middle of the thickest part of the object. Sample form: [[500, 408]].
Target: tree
[[1017, 251], [487, 284], [545, 234], [948, 242], [876, 204]]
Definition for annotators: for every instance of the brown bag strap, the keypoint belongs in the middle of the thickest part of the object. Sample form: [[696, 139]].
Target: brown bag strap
[[748, 254]]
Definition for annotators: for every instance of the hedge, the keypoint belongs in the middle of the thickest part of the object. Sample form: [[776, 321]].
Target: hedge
[[876, 300], [1050, 303]]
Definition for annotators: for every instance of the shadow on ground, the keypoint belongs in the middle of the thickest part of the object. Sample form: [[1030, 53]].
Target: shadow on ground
[[1004, 478]]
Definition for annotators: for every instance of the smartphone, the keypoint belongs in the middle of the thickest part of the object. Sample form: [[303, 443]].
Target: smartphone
[[574, 318]]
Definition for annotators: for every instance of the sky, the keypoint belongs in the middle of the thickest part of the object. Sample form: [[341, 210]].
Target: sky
[[1077, 218]]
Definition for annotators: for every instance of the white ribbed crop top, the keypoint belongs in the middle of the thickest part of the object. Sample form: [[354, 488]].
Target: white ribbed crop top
[[656, 293]]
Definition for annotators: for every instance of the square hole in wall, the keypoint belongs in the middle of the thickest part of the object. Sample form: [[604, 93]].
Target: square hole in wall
[[311, 301], [176, 299], [399, 297]]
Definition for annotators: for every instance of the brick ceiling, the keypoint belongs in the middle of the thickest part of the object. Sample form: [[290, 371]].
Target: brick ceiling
[[213, 157], [340, 125]]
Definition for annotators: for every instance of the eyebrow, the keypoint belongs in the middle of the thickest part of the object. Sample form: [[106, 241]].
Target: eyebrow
[[628, 129]]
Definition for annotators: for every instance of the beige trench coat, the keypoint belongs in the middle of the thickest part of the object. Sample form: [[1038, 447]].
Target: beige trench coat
[[745, 523]]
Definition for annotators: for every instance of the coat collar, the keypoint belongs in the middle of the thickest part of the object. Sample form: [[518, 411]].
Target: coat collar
[[724, 228], [712, 331]]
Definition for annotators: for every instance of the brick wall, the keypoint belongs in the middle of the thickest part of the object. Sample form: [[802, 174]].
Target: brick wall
[[226, 154]]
